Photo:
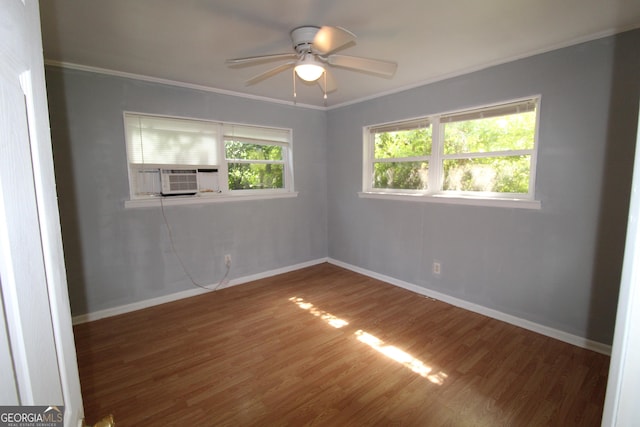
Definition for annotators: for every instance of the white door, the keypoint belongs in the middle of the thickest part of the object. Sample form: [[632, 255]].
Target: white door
[[621, 407], [37, 353]]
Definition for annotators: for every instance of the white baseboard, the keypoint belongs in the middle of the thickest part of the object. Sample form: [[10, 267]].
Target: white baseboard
[[114, 311], [476, 308], [523, 323]]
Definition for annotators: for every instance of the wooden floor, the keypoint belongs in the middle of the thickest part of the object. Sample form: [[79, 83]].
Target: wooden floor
[[326, 346]]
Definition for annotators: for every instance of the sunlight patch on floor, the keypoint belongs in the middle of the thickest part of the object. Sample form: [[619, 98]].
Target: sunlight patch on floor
[[400, 356], [390, 351], [327, 317]]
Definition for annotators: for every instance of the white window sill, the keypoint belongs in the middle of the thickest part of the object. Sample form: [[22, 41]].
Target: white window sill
[[204, 199], [455, 200]]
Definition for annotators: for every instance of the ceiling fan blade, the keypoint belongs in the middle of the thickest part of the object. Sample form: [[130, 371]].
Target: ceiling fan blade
[[375, 66], [330, 82], [253, 60], [270, 73], [329, 39]]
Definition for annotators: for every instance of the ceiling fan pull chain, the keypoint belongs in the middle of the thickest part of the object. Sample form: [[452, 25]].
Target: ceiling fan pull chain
[[325, 87], [294, 86]]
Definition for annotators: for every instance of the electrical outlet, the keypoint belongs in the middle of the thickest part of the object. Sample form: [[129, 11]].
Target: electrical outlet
[[227, 260], [437, 268]]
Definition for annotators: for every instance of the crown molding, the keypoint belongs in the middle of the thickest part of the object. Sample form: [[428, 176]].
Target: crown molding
[[176, 83]]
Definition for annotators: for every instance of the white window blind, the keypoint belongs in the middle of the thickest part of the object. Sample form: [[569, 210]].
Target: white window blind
[[163, 140], [401, 126], [256, 134], [525, 106]]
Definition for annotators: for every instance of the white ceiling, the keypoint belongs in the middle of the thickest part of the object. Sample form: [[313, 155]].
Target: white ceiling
[[188, 41]]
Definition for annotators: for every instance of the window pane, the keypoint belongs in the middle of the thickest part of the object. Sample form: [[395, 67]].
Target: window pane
[[401, 175], [511, 132], [403, 143], [493, 174], [252, 176], [239, 150]]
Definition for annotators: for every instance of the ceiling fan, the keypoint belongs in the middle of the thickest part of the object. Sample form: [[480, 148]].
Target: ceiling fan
[[315, 49]]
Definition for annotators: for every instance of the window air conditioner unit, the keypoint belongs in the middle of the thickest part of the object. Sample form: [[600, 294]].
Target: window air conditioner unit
[[179, 181]]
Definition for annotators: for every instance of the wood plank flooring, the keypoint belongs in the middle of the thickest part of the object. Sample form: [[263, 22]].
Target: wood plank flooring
[[324, 346]]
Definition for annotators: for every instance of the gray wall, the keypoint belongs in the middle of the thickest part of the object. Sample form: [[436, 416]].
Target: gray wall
[[559, 266], [117, 256]]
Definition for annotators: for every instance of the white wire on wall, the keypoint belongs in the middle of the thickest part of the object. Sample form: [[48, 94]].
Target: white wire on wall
[[222, 281]]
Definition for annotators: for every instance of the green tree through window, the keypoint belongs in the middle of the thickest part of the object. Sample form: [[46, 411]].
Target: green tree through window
[[254, 166], [402, 159], [473, 154]]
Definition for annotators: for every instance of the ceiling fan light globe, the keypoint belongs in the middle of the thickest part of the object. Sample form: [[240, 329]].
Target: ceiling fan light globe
[[309, 72]]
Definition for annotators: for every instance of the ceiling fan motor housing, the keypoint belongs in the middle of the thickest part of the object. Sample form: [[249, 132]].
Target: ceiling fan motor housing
[[302, 38]]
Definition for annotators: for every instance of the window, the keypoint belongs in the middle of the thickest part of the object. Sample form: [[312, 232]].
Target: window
[[401, 155], [177, 156], [255, 157], [485, 153]]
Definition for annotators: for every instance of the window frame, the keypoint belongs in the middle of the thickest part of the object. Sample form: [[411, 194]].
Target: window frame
[[225, 194], [435, 191], [422, 122], [285, 160]]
